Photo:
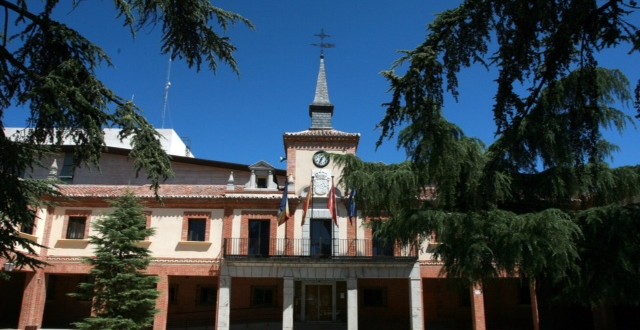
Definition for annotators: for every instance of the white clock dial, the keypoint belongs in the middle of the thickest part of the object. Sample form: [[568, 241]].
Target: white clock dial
[[321, 159]]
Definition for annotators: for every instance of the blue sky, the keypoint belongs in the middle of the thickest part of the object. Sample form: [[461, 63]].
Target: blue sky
[[241, 119]]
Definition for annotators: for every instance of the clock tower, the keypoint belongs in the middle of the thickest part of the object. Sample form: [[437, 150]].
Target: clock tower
[[308, 151]]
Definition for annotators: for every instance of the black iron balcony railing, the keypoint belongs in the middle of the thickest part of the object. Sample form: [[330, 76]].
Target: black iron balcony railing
[[317, 248]]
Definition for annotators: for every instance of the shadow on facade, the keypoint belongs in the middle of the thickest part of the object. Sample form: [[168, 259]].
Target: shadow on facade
[[192, 302], [11, 299]]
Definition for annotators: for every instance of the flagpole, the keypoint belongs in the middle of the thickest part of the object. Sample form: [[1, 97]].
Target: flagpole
[[307, 202], [333, 208]]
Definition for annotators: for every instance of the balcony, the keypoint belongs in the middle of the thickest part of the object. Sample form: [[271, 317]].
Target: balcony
[[366, 249]]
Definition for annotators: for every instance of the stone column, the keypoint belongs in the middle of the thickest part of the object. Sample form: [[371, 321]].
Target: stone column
[[162, 303], [477, 307], [352, 303], [287, 303], [415, 294], [33, 299], [224, 303]]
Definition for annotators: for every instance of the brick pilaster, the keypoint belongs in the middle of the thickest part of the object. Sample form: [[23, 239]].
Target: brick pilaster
[[477, 308], [162, 303], [227, 226], [33, 299]]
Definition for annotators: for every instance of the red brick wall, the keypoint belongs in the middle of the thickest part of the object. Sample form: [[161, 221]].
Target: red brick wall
[[162, 303], [396, 313], [32, 299], [477, 306], [352, 226], [227, 225]]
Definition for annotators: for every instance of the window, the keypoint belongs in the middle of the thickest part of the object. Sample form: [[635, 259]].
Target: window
[[374, 297], [259, 237], [321, 232], [68, 167], [76, 224], [262, 183], [263, 296], [196, 226], [197, 229], [76, 227], [207, 295], [28, 228]]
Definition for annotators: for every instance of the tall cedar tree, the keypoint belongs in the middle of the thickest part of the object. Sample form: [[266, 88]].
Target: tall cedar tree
[[50, 69], [515, 206], [122, 296]]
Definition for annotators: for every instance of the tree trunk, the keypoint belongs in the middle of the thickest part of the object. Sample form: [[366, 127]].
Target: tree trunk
[[603, 318], [534, 304]]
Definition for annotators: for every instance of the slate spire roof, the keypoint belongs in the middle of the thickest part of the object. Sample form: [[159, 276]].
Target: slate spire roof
[[321, 110], [322, 89]]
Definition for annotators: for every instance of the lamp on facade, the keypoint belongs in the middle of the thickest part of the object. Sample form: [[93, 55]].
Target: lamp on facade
[[9, 266]]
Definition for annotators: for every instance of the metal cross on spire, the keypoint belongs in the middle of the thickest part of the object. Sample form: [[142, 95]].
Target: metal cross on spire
[[323, 44]]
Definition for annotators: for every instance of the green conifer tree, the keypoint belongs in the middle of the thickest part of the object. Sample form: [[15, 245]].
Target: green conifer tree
[[123, 297]]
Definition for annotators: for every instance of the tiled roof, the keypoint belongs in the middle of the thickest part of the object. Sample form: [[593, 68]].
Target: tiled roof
[[165, 191], [322, 132]]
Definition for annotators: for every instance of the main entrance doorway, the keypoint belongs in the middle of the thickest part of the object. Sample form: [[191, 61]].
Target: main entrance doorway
[[319, 302]]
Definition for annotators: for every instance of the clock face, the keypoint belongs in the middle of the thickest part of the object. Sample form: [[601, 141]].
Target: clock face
[[320, 159]]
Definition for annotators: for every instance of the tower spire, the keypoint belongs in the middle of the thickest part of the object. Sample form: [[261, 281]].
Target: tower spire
[[321, 110], [322, 89]]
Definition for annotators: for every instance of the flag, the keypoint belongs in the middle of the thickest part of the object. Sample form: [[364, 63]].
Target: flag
[[333, 207], [307, 202], [353, 212], [283, 211]]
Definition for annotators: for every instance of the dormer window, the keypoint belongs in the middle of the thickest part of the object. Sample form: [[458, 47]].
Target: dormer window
[[262, 176]]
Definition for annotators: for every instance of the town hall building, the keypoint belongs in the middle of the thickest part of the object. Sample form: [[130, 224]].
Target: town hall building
[[225, 260]]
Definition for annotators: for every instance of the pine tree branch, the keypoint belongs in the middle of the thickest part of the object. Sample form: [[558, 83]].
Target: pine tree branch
[[6, 55], [22, 12]]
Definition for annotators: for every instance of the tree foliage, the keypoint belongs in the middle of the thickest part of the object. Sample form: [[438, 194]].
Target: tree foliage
[[610, 256], [123, 297], [513, 206], [50, 69], [545, 55]]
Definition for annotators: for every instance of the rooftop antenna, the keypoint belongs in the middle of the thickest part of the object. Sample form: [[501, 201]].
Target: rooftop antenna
[[166, 93], [323, 44]]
